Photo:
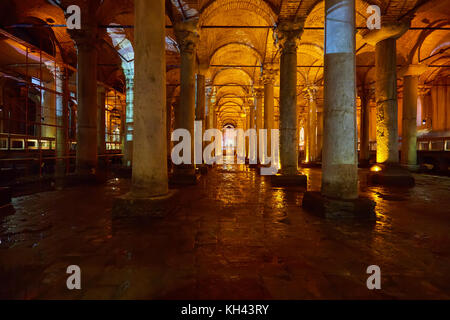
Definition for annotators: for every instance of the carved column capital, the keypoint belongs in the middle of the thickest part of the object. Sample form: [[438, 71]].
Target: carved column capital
[[187, 35], [287, 35], [269, 74]]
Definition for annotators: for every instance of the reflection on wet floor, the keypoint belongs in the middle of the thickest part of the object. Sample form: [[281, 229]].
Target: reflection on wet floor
[[231, 236]]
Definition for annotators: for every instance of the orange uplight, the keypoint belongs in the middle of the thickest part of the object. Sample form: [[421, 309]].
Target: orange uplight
[[375, 168]]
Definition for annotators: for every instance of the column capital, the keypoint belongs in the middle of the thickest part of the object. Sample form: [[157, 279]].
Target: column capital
[[258, 92], [310, 92], [288, 33], [187, 35], [269, 74], [424, 90], [85, 37], [388, 30], [412, 70]]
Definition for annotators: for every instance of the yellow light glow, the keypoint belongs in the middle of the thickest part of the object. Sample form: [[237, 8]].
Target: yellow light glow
[[375, 168]]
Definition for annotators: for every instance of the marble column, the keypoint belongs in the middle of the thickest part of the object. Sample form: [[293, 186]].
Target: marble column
[[339, 193], [187, 37], [319, 132], [364, 138], [410, 76], [149, 195], [251, 105], [101, 120], [150, 145], [86, 40], [269, 80], [339, 162], [288, 34], [311, 96], [259, 94], [388, 170]]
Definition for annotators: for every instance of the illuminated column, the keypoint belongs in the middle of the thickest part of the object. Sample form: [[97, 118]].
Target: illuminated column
[[149, 195], [85, 41], [339, 194], [319, 132], [410, 76], [128, 127], [252, 114], [187, 37], [269, 80], [288, 34], [150, 149], [259, 94], [384, 40], [364, 149], [310, 95]]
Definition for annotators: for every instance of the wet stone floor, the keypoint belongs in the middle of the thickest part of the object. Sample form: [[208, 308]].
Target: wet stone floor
[[231, 236]]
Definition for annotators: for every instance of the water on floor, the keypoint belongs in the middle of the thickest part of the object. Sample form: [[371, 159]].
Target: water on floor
[[231, 236]]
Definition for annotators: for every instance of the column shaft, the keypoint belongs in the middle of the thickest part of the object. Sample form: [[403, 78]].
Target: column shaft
[[268, 109], [339, 163], [288, 109], [409, 120], [150, 149], [185, 114], [86, 159], [386, 96], [364, 149]]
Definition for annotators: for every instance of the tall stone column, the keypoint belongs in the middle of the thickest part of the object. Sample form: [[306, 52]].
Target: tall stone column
[[410, 76], [269, 80], [101, 129], [319, 132], [101, 120], [200, 110], [251, 105], [86, 39], [388, 168], [259, 94], [339, 194], [288, 34], [149, 193], [187, 37], [311, 96], [364, 149]]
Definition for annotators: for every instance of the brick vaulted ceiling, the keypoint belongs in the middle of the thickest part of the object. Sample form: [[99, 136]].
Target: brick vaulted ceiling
[[248, 49]]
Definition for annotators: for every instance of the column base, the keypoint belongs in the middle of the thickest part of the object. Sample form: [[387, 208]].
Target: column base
[[360, 208], [292, 180], [129, 205], [390, 175]]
